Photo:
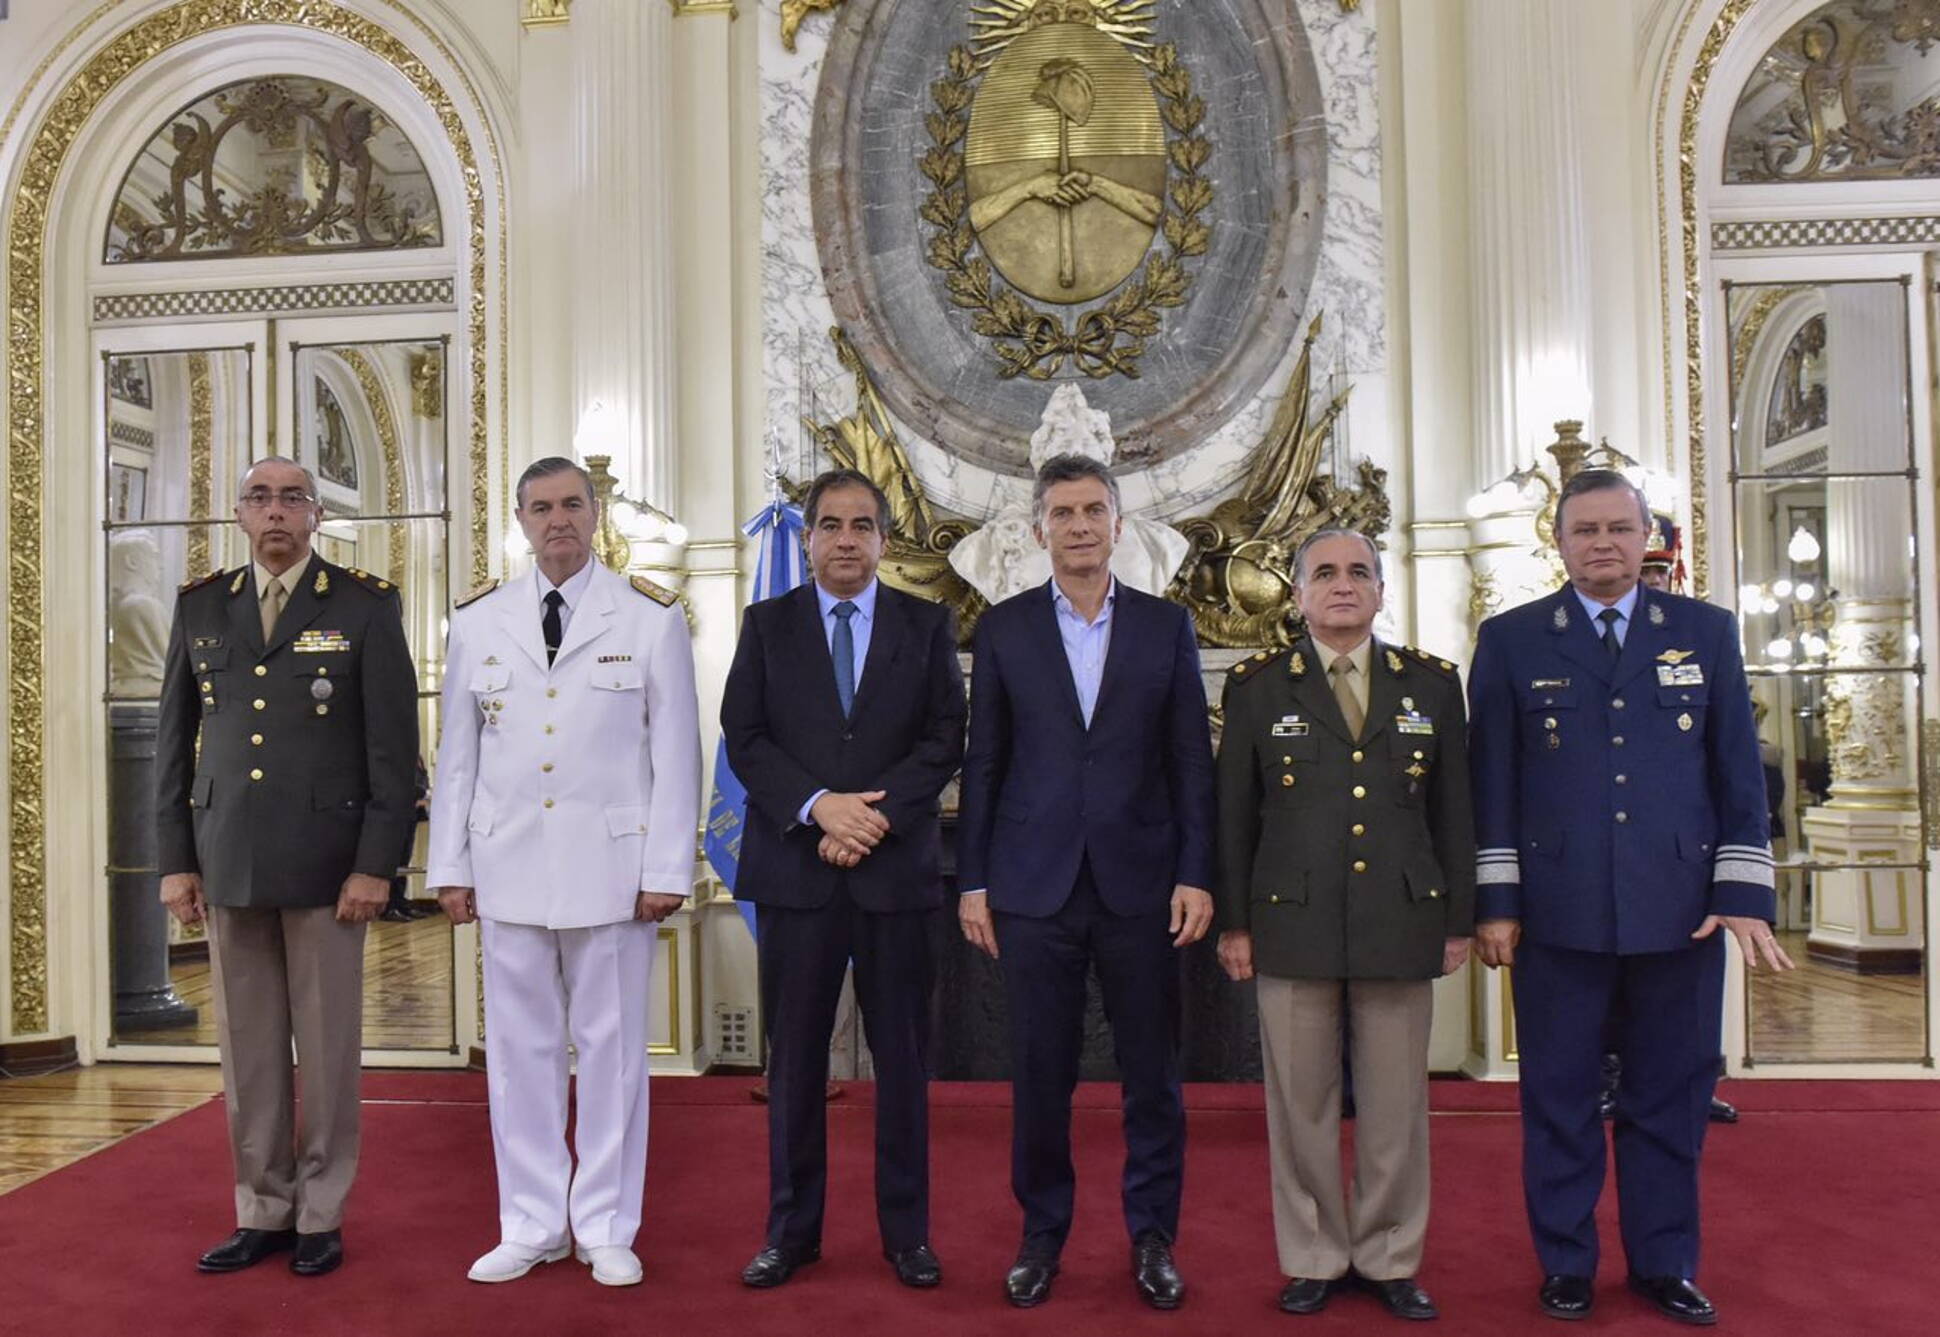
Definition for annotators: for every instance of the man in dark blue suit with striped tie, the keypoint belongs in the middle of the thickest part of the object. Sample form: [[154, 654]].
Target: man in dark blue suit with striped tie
[[843, 716], [1620, 825], [1086, 842]]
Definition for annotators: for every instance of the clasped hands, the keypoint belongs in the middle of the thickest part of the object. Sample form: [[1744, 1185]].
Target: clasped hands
[[361, 898], [851, 826]]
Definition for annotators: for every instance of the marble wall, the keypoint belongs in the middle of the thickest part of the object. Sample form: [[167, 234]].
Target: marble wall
[[802, 377]]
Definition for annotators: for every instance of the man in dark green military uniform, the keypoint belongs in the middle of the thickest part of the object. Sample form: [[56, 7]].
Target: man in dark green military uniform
[[284, 831], [1346, 885]]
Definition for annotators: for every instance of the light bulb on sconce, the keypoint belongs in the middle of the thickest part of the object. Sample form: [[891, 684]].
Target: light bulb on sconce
[[1804, 549]]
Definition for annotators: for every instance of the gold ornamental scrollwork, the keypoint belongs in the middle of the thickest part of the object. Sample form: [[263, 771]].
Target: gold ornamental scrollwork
[[202, 434], [1064, 146], [794, 11], [545, 13], [26, 249]]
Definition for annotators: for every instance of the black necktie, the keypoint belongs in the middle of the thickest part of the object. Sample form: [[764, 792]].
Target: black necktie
[[551, 624], [1609, 618]]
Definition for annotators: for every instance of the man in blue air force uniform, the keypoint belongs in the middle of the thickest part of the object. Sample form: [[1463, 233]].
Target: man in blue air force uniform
[[1620, 822]]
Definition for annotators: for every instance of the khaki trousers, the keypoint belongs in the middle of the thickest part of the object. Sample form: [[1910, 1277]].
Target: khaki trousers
[[1321, 1230], [283, 975]]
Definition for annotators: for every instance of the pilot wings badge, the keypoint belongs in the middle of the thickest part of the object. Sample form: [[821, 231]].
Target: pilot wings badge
[[1066, 144]]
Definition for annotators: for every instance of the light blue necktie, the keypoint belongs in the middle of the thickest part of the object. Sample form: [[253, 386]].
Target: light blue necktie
[[843, 652]]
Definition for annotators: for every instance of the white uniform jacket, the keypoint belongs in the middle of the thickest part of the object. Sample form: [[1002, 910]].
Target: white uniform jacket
[[561, 793]]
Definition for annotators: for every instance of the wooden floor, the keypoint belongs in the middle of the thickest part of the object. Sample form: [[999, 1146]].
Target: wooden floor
[[1821, 1014], [407, 991], [47, 1122]]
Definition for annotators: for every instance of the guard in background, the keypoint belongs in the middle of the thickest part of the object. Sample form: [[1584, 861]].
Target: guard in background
[[1346, 887], [293, 675], [1621, 822]]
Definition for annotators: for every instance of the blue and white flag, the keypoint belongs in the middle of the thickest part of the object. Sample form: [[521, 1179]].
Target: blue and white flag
[[779, 568]]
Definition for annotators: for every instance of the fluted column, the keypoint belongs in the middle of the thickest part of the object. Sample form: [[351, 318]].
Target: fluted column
[[623, 355], [1528, 242]]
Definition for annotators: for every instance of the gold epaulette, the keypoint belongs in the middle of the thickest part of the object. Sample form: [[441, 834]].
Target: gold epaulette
[[198, 582], [1446, 667], [660, 594], [375, 584], [475, 593], [1252, 667]]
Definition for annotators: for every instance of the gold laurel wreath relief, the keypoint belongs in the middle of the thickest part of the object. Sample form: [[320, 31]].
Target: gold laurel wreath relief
[[1109, 339]]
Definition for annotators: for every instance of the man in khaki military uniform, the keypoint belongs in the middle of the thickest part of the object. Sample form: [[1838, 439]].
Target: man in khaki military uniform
[[283, 830], [1346, 885]]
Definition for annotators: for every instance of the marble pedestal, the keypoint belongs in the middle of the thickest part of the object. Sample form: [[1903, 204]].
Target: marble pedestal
[[144, 998], [1865, 919]]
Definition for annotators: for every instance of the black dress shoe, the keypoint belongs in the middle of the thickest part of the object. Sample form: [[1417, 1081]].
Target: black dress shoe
[[1403, 1298], [1723, 1111], [245, 1248], [1028, 1283], [1564, 1296], [777, 1263], [1677, 1298], [319, 1253], [916, 1267], [1158, 1281], [1306, 1295]]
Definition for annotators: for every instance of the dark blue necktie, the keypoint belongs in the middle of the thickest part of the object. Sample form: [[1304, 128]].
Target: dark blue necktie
[[1609, 617], [843, 652]]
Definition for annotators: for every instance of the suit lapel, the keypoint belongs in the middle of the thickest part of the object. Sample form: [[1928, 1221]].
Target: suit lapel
[[1383, 693], [813, 653], [1123, 641], [1649, 635], [1579, 640], [885, 643], [246, 615], [591, 620], [304, 606], [1050, 643], [520, 618]]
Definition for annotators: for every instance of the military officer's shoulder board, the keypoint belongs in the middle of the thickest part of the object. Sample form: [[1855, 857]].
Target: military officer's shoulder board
[[660, 594], [1254, 666], [475, 593], [1442, 666], [375, 584], [198, 582]]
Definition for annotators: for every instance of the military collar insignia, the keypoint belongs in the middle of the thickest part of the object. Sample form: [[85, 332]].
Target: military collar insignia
[[1395, 665], [1656, 614], [1297, 666], [1561, 620], [322, 584], [1675, 657], [235, 586]]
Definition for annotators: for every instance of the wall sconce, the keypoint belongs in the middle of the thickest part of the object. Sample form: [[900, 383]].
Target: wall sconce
[[1804, 548]]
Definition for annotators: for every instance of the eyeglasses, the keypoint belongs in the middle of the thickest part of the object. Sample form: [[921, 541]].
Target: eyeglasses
[[291, 497]]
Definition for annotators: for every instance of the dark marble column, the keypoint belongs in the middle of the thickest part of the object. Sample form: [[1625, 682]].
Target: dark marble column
[[144, 997]]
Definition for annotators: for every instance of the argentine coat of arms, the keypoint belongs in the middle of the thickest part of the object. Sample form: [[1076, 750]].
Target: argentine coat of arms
[[1067, 162]]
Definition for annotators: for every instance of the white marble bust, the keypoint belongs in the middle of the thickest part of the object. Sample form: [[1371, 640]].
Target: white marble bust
[[1003, 557]]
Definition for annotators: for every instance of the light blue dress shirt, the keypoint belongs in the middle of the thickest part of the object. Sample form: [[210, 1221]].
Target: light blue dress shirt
[[861, 622], [1624, 606], [1085, 644]]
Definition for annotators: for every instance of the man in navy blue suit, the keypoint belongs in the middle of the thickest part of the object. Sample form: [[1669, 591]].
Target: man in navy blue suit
[[843, 716], [1620, 823], [1086, 841]]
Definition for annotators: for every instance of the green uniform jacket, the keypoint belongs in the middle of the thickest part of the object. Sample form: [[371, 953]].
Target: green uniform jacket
[[308, 746], [1345, 859]]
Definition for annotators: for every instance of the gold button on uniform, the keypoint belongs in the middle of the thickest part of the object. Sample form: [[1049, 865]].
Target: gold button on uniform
[[262, 671], [1359, 830], [257, 739], [1360, 865], [552, 691], [1273, 900], [255, 775], [548, 728], [1360, 791], [1286, 782], [1286, 761], [548, 803], [323, 710], [1623, 817], [547, 768], [1358, 754], [260, 704]]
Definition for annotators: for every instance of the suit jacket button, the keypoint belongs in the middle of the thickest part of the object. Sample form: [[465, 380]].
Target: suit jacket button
[[548, 803], [257, 739], [1359, 830], [255, 775], [1357, 754], [1434, 893], [261, 671], [1360, 865], [1273, 900], [1360, 791], [260, 704], [847, 736], [1286, 782], [1623, 817], [1616, 703]]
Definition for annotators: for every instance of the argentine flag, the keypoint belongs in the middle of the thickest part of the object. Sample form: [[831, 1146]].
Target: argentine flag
[[779, 568]]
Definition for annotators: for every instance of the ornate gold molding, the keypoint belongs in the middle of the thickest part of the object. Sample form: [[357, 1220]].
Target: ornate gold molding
[[689, 8], [27, 225], [202, 438], [388, 446], [794, 11], [1930, 779], [545, 13]]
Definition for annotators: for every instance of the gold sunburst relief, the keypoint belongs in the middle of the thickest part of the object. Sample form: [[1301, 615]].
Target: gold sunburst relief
[[1067, 161]]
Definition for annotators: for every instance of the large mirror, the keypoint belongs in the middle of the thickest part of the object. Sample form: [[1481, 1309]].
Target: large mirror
[[1829, 572], [368, 419]]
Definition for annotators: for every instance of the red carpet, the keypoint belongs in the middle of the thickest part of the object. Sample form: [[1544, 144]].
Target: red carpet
[[1821, 1216]]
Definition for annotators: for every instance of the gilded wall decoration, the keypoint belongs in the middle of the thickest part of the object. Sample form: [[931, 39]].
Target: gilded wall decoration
[[273, 167], [390, 451], [1865, 713], [202, 440], [1010, 192], [545, 13], [794, 11], [36, 185], [1053, 175], [1798, 399], [1845, 95]]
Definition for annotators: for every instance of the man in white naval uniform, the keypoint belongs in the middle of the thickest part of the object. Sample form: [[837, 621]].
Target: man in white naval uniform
[[563, 818]]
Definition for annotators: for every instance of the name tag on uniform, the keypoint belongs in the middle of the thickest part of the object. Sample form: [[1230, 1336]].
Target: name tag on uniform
[[616, 659], [1545, 684], [208, 642], [1290, 726], [1680, 675], [315, 642]]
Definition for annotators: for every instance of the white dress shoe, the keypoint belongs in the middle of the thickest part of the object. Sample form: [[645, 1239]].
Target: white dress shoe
[[511, 1261], [612, 1264]]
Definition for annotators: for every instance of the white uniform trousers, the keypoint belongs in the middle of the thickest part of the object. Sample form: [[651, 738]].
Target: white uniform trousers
[[542, 987]]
